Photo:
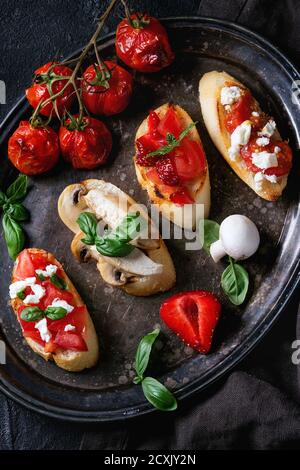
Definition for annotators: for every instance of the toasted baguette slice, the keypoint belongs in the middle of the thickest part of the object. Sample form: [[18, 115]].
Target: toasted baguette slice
[[213, 114], [199, 189], [73, 361], [129, 273]]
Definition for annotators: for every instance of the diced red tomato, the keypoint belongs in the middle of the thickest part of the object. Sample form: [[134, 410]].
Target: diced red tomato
[[181, 197], [70, 340], [189, 159], [284, 157], [240, 112], [24, 267], [170, 123], [53, 292]]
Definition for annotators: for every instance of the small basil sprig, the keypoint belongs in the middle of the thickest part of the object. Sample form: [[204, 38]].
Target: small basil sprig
[[115, 243], [58, 281], [235, 282], [172, 142], [13, 213], [35, 313], [235, 279], [155, 392]]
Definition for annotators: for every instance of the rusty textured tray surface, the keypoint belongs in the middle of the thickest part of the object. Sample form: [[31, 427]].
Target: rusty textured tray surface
[[106, 392]]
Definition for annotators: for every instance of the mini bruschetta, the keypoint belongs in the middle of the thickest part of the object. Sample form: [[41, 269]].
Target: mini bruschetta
[[144, 266], [246, 136], [54, 320], [171, 165]]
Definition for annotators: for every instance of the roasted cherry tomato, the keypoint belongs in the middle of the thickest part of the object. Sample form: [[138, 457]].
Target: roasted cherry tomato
[[33, 150], [86, 144], [50, 79], [142, 43], [284, 157], [107, 89]]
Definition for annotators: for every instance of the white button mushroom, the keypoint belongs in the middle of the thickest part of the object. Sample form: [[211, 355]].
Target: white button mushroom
[[239, 238]]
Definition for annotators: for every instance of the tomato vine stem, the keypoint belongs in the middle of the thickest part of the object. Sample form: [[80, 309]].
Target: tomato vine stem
[[72, 79]]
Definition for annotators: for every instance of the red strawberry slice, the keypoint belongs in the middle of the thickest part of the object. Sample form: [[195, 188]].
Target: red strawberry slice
[[167, 172], [193, 317]]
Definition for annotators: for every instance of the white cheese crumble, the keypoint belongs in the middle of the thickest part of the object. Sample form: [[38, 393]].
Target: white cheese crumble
[[69, 327], [264, 160], [260, 177], [255, 114], [263, 141], [49, 270], [63, 304], [240, 136], [43, 330], [230, 94], [234, 152], [18, 286], [277, 149], [269, 129], [38, 294]]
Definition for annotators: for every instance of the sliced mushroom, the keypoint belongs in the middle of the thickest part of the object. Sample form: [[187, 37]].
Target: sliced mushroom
[[70, 205]]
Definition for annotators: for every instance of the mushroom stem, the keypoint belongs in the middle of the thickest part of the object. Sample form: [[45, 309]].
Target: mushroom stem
[[217, 251]]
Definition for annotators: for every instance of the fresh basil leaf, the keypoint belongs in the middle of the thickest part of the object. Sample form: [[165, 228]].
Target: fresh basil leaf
[[21, 295], [130, 227], [211, 233], [32, 314], [17, 211], [88, 225], [143, 352], [172, 142], [58, 282], [158, 395], [14, 236], [3, 199], [18, 189], [55, 313], [108, 246], [235, 282], [40, 277]]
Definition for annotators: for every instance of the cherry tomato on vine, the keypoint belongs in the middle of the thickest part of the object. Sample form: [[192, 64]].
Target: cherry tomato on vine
[[85, 143], [50, 79], [33, 150], [142, 43], [107, 88]]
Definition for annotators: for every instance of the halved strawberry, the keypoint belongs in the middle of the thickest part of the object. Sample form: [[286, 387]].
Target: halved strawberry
[[192, 316]]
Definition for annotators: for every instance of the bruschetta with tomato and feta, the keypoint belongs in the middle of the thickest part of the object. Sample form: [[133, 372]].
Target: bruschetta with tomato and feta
[[116, 232], [171, 165], [54, 320], [246, 136]]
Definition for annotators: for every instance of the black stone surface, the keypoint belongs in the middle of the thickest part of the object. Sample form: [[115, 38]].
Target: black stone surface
[[31, 34]]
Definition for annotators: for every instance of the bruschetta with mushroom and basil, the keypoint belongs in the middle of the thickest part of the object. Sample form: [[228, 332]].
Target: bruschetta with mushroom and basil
[[54, 320], [171, 165], [115, 231], [246, 136]]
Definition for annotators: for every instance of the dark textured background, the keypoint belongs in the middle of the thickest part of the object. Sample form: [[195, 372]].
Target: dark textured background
[[257, 405]]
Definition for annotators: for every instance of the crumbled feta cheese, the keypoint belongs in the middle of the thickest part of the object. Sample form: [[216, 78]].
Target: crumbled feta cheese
[[269, 129], [38, 294], [234, 152], [69, 327], [241, 134], [277, 149], [260, 177], [18, 286], [63, 304], [255, 113], [49, 270], [264, 160], [227, 107], [43, 330], [263, 141], [230, 95]]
